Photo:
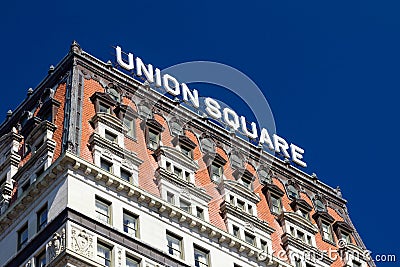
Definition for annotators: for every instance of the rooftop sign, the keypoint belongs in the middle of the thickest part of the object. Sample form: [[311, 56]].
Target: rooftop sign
[[212, 108]]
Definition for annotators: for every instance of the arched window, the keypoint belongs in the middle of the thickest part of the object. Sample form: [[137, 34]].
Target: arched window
[[319, 205], [114, 94], [292, 192]]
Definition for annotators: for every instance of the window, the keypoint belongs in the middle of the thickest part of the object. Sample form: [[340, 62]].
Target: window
[[240, 204], [39, 172], [326, 231], [103, 254], [41, 218], [236, 231], [297, 262], [300, 235], [292, 192], [22, 236], [216, 172], [187, 151], [185, 206], [130, 224], [178, 172], [291, 230], [346, 237], [187, 176], [103, 210], [41, 259], [247, 182], [201, 257], [111, 136], [125, 175], [154, 139], [174, 244], [104, 108], [200, 213], [26, 186], [249, 238], [132, 262], [304, 214], [130, 127], [276, 205], [356, 264], [232, 200], [309, 240], [264, 245], [106, 165], [309, 265], [170, 198], [250, 209], [319, 206]]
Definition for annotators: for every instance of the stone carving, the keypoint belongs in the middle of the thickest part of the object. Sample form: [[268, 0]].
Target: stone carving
[[28, 264], [185, 193], [249, 226], [56, 245], [128, 163], [119, 256], [82, 242], [108, 153]]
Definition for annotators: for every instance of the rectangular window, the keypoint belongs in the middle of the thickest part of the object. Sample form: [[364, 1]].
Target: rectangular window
[[132, 262], [276, 206], [216, 172], [187, 151], [326, 231], [264, 245], [103, 210], [345, 237], [22, 236], [104, 108], [200, 213], [297, 262], [130, 224], [42, 218], [185, 205], [168, 166], [39, 172], [309, 240], [249, 238], [130, 127], [250, 209], [125, 175], [240, 204], [40, 260], [106, 165], [304, 214], [178, 172], [236, 231], [300, 235], [247, 182], [26, 186], [174, 244], [104, 254], [356, 264], [232, 200], [201, 257], [187, 176], [154, 139], [111, 136], [170, 198]]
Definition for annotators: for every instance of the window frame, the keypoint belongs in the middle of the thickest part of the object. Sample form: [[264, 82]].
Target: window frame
[[111, 167], [107, 248], [40, 225], [173, 237], [99, 200], [278, 199], [41, 256], [329, 232], [21, 243], [125, 225], [200, 251]]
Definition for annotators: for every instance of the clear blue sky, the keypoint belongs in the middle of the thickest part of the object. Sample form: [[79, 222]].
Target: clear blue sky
[[328, 70]]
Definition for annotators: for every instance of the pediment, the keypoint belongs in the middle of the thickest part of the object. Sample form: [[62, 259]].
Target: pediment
[[239, 189], [297, 219], [176, 156]]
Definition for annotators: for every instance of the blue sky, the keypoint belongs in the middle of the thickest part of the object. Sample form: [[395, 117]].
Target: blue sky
[[328, 70]]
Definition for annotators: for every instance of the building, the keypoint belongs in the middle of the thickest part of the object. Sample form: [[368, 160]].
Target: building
[[97, 169]]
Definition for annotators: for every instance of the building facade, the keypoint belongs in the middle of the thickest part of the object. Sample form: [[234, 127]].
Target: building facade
[[98, 169]]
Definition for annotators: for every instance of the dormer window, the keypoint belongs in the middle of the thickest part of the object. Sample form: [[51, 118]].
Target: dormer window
[[207, 145], [244, 177], [185, 145], [264, 175], [301, 207], [103, 102], [292, 192], [324, 221], [154, 129], [273, 194], [50, 106], [128, 117], [145, 111], [343, 231], [114, 93], [216, 166], [319, 205], [236, 161]]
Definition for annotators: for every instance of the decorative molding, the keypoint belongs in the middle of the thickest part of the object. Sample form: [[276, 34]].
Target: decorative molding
[[56, 245], [82, 242]]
